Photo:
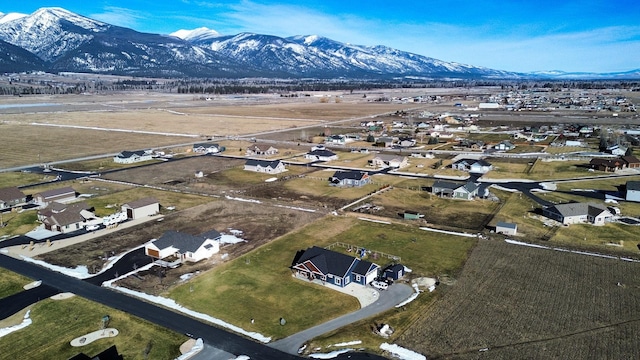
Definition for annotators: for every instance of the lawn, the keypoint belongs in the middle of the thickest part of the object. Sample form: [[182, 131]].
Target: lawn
[[57, 322], [18, 223], [259, 284], [8, 179], [11, 283], [547, 170]]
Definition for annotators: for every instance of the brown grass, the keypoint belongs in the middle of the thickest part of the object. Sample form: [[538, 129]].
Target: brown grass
[[515, 300]]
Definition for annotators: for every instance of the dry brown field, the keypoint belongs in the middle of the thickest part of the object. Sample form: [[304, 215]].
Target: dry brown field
[[515, 302]]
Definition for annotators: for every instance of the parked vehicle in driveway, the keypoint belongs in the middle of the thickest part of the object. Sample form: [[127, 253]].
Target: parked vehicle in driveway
[[380, 285]]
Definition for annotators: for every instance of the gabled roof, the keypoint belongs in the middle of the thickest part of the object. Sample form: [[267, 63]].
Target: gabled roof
[[263, 163], [127, 154], [469, 187], [633, 185], [321, 153], [327, 261], [446, 185], [65, 214], [181, 241], [506, 225], [141, 202], [364, 267], [260, 147], [630, 159], [57, 192], [351, 175], [205, 145], [10, 194], [576, 209], [389, 157], [211, 234]]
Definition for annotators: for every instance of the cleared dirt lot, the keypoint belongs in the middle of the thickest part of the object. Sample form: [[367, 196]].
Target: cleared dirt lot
[[522, 302], [259, 224]]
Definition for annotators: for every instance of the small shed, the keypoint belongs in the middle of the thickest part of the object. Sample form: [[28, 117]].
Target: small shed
[[506, 228], [412, 215], [394, 271]]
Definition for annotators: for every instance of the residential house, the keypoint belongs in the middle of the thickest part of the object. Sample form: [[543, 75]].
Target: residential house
[[130, 157], [607, 165], [350, 178], [633, 191], [472, 166], [616, 150], [207, 148], [631, 162], [389, 160], [384, 141], [261, 150], [406, 142], [61, 195], [321, 155], [333, 267], [141, 208], [265, 166], [11, 197], [336, 139], [506, 228], [472, 144], [576, 213], [466, 191], [184, 247], [504, 145], [67, 218]]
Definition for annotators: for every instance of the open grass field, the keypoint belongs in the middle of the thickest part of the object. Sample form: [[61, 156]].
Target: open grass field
[[18, 223], [521, 302], [259, 284], [11, 283], [19, 178], [25, 144], [546, 170], [57, 322], [438, 212]]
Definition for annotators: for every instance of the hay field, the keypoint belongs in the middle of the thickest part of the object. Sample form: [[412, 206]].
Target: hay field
[[521, 302], [26, 144]]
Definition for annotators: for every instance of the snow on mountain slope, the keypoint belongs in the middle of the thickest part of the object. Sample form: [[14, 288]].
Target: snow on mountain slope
[[196, 35], [50, 32], [10, 16]]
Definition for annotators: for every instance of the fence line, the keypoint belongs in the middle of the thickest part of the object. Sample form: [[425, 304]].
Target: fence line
[[358, 250]]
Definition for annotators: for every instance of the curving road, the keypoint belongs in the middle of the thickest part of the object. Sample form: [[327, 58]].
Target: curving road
[[387, 300]]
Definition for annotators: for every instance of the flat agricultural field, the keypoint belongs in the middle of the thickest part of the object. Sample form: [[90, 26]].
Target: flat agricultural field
[[25, 144], [513, 300]]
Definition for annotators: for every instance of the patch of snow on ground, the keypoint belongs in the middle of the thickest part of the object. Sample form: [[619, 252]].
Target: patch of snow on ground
[[185, 277], [241, 199], [80, 272], [296, 208], [236, 232], [407, 270], [271, 179], [349, 343], [230, 239], [26, 321], [402, 353], [195, 349], [242, 357], [330, 355]]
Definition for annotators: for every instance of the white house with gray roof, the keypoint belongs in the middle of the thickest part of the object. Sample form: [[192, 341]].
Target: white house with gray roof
[[633, 191], [185, 247], [578, 213]]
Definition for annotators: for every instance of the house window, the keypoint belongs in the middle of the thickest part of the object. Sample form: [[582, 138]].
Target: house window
[[358, 278], [337, 281]]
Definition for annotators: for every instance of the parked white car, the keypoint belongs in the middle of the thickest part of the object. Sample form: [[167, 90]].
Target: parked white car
[[380, 285]]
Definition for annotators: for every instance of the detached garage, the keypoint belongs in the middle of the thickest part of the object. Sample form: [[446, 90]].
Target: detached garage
[[141, 208]]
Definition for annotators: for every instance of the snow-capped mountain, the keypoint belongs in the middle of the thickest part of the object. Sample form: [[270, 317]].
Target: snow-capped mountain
[[196, 35], [71, 42], [65, 41]]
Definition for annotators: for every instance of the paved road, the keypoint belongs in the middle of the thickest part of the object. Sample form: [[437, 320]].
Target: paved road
[[16, 302], [213, 336], [387, 300]]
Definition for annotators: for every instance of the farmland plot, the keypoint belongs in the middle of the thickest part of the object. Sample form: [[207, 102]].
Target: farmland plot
[[522, 302]]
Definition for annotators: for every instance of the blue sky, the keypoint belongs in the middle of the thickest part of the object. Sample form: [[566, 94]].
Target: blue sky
[[517, 35]]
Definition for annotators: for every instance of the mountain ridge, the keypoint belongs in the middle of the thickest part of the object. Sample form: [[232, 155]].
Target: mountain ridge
[[66, 41]]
